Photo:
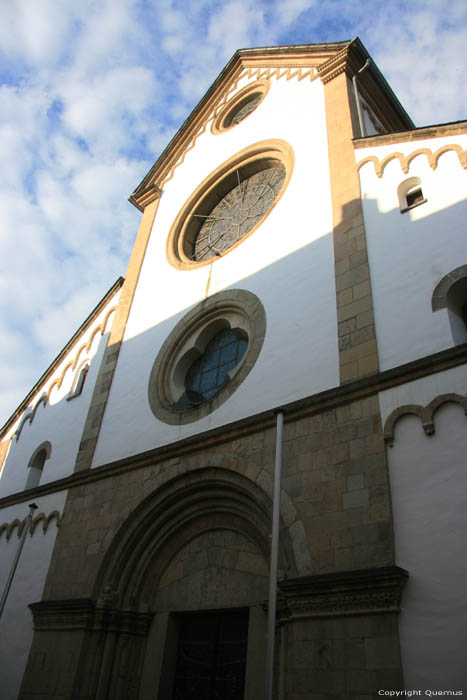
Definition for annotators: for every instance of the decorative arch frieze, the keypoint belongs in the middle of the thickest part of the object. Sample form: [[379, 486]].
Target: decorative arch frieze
[[256, 73], [30, 413], [18, 525], [27, 416], [183, 508], [405, 161], [15, 524], [45, 520], [424, 413]]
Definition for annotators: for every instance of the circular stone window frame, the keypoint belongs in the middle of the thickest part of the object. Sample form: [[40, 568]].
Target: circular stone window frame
[[274, 151], [239, 310], [235, 103]]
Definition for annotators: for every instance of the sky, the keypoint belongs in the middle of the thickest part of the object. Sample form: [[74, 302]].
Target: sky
[[91, 91]]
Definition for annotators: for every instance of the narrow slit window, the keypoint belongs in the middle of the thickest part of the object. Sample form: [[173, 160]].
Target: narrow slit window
[[78, 388], [36, 464]]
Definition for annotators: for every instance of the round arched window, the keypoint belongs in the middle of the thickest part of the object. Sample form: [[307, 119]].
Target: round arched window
[[210, 372], [206, 357]]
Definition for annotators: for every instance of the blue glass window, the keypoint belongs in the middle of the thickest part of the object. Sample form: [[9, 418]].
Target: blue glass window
[[209, 373]]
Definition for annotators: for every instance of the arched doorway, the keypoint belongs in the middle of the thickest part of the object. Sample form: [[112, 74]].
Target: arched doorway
[[193, 560]]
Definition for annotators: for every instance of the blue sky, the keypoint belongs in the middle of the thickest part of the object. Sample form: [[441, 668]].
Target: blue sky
[[92, 91]]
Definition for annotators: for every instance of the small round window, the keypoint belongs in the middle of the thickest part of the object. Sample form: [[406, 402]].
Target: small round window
[[243, 109], [206, 357], [240, 106]]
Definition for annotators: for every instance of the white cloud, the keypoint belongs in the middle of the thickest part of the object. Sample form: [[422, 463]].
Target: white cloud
[[105, 111], [22, 121], [92, 91], [423, 57], [37, 32], [232, 27], [289, 10]]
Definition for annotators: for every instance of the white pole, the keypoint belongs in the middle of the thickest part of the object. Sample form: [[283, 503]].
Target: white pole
[[32, 508], [274, 557], [357, 97]]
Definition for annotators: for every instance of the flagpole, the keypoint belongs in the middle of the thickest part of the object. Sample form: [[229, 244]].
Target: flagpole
[[274, 557], [32, 508]]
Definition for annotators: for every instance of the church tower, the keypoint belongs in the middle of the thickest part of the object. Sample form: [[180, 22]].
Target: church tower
[[288, 258]]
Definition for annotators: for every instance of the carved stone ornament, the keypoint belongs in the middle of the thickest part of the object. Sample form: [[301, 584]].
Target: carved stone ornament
[[82, 613], [425, 413], [344, 593]]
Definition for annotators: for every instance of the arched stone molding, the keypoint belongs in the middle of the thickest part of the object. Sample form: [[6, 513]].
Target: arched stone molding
[[18, 525], [439, 299], [79, 379], [451, 293], [180, 510], [211, 112], [36, 464], [405, 161], [248, 160], [84, 348], [9, 528], [43, 446], [240, 311], [27, 416], [30, 414], [425, 414], [410, 186], [46, 520], [72, 366]]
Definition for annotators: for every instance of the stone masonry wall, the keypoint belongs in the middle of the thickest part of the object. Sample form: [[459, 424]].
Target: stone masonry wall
[[335, 500], [336, 517]]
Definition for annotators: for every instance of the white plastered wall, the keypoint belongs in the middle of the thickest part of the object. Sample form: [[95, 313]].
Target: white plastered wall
[[288, 262], [410, 253], [59, 421], [428, 478], [16, 629]]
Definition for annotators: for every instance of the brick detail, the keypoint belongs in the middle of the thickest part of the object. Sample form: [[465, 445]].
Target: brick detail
[[4, 445], [335, 504], [106, 371], [358, 354]]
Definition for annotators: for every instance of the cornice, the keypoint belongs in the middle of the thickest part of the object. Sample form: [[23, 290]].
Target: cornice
[[309, 61], [366, 591], [146, 196], [372, 85], [291, 56], [348, 60], [56, 362], [416, 134], [83, 613], [277, 61], [312, 405]]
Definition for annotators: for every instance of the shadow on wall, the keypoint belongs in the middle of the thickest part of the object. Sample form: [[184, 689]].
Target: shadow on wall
[[301, 360], [53, 426]]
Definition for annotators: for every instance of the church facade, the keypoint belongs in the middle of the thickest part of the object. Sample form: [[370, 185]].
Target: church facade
[[302, 250]]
